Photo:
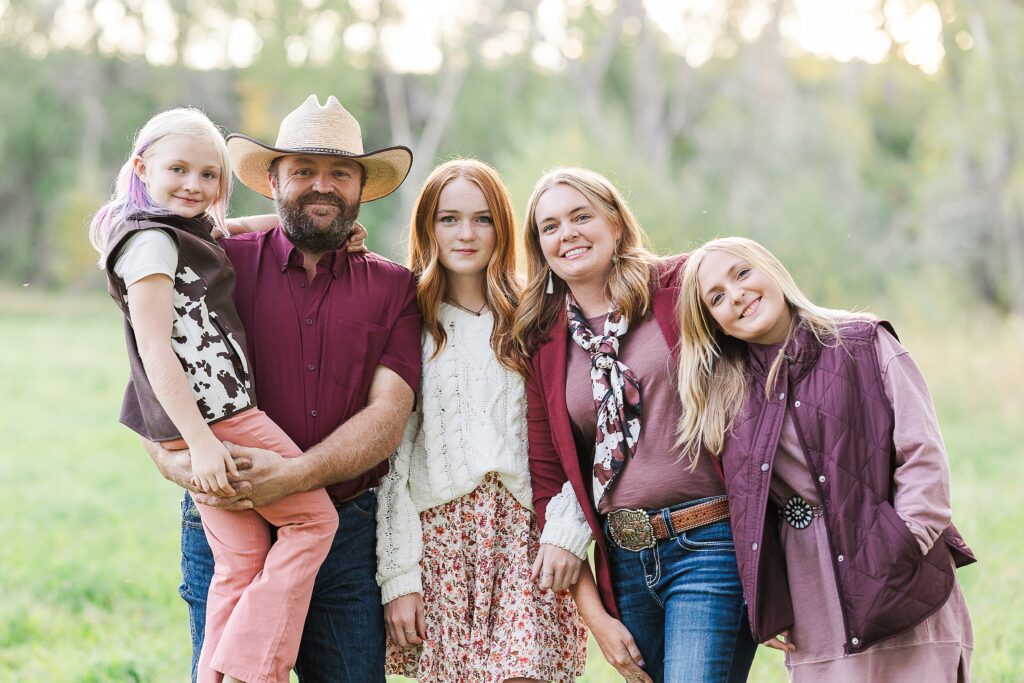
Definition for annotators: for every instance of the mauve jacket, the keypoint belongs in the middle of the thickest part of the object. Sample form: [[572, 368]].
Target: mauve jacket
[[845, 425], [553, 455]]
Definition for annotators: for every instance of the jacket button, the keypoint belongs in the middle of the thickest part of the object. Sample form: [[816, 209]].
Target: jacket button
[[797, 404], [782, 396], [753, 546], [841, 558], [764, 467], [854, 641]]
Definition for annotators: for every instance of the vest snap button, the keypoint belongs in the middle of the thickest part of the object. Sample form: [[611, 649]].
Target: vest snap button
[[821, 478], [841, 558], [797, 404], [782, 397], [855, 641], [764, 467], [753, 546]]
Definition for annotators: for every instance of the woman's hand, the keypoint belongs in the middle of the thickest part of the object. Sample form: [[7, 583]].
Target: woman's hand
[[211, 464], [356, 238], [556, 568], [619, 648], [403, 619], [781, 642]]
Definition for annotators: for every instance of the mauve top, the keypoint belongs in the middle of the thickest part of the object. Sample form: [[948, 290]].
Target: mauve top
[[938, 649], [654, 477], [314, 346]]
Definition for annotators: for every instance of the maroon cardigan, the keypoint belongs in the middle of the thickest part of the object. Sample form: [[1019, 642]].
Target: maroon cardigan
[[553, 455]]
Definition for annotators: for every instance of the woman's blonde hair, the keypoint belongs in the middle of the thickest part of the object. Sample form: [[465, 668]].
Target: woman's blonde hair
[[628, 282], [712, 365], [502, 286], [130, 195]]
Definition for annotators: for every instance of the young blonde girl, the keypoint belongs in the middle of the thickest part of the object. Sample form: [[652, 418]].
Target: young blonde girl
[[190, 388], [837, 476], [456, 531]]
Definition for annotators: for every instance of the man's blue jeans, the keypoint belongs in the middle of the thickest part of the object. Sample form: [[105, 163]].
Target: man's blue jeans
[[683, 604], [343, 639]]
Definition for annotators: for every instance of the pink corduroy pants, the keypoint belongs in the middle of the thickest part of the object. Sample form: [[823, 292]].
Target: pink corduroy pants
[[260, 591]]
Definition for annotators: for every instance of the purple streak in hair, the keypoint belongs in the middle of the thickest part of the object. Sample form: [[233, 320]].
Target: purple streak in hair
[[136, 198]]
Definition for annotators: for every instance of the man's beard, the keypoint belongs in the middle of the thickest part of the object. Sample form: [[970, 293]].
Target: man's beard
[[303, 230]]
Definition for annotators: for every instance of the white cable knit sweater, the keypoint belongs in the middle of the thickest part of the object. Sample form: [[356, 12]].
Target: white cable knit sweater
[[470, 420]]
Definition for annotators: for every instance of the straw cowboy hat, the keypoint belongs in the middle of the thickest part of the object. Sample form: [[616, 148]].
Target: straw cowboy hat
[[327, 130]]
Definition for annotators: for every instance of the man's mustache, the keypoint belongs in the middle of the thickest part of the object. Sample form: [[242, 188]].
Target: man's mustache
[[321, 198]]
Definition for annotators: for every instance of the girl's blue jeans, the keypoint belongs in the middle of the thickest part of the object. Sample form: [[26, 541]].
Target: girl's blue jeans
[[683, 604]]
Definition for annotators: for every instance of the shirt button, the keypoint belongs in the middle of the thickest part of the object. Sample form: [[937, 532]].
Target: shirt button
[[313, 413], [302, 285], [764, 467], [854, 641], [821, 478], [782, 396], [840, 558], [311, 366], [309, 321], [797, 404], [753, 546]]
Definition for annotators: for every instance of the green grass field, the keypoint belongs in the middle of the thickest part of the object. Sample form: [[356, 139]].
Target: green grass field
[[89, 569]]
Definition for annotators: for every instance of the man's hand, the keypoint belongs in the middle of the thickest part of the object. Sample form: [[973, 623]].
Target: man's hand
[[176, 467], [403, 618], [555, 568], [619, 648]]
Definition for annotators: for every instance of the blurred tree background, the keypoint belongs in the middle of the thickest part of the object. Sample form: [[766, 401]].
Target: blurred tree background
[[872, 144], [875, 145]]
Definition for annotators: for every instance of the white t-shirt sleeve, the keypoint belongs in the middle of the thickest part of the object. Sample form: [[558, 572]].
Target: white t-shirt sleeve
[[147, 252]]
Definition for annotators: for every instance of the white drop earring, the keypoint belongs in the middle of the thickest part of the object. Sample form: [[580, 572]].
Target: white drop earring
[[551, 283]]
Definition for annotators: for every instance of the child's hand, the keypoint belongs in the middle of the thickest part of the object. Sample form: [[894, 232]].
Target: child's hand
[[356, 239], [211, 464], [244, 224]]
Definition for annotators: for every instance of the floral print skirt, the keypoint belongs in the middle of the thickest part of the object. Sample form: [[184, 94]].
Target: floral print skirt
[[486, 621]]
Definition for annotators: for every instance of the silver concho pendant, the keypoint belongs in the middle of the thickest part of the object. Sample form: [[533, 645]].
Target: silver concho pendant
[[798, 513]]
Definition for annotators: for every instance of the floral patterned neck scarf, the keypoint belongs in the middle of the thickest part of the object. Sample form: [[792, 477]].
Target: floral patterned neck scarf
[[616, 394]]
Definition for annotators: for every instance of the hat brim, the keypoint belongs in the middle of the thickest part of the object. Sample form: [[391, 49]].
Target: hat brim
[[385, 169]]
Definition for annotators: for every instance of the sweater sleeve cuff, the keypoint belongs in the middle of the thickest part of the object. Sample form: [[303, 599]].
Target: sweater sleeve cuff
[[398, 586], [571, 537]]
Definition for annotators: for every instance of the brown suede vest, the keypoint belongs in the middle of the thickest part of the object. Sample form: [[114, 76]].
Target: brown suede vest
[[203, 285]]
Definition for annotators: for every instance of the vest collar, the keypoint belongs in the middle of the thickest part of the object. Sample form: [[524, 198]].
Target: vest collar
[[802, 352]]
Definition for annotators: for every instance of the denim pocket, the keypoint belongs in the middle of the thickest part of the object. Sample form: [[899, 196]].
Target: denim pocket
[[190, 513], [716, 536], [365, 505]]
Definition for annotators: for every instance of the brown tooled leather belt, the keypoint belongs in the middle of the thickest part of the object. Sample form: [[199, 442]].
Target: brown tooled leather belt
[[637, 529]]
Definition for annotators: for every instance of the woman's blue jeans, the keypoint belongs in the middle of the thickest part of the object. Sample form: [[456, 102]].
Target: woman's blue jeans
[[683, 604]]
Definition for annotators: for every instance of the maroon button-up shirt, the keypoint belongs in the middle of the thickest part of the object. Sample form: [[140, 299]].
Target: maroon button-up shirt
[[313, 347]]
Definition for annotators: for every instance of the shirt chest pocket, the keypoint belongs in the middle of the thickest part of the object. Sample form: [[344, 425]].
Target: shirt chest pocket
[[353, 351]]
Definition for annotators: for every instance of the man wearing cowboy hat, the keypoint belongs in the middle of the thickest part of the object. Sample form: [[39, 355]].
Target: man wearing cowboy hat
[[334, 342]]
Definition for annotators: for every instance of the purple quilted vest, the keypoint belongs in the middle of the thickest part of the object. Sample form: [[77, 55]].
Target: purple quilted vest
[[845, 424]]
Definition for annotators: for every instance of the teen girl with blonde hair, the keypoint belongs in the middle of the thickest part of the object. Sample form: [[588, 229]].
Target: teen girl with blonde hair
[[457, 536], [837, 476]]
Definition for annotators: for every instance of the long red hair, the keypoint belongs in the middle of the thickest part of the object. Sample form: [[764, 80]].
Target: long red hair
[[502, 287]]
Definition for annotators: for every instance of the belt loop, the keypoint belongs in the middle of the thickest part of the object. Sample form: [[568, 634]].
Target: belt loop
[[666, 514]]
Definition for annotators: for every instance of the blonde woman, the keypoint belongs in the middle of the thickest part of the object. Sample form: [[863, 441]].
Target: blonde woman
[[597, 330], [456, 532], [838, 479]]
